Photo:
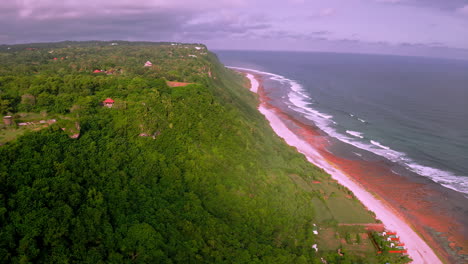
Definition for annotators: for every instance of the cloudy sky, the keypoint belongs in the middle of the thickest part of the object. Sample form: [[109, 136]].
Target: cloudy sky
[[406, 27]]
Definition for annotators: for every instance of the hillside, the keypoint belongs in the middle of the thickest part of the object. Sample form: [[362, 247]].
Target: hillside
[[188, 174]]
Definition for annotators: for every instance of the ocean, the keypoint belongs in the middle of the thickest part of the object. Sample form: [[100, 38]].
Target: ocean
[[411, 111]]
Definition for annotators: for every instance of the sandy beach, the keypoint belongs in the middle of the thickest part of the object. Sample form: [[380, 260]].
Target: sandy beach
[[357, 176]]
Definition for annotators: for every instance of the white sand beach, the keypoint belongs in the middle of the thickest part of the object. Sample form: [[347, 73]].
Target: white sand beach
[[418, 249]]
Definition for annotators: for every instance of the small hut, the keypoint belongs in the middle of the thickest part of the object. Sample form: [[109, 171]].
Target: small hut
[[148, 64], [8, 120], [108, 102]]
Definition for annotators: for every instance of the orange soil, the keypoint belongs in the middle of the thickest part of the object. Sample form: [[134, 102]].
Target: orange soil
[[176, 84]]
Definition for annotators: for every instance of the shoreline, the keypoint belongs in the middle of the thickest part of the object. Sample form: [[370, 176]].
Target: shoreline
[[312, 144]]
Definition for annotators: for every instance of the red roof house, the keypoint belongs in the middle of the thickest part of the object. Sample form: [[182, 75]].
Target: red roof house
[[108, 102]]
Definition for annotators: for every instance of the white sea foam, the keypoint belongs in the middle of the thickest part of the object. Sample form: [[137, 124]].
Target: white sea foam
[[358, 118], [418, 250], [324, 121], [276, 76], [379, 145], [254, 83], [355, 133], [298, 102], [447, 179]]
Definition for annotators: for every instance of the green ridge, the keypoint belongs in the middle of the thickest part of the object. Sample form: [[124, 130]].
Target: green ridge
[[207, 182]]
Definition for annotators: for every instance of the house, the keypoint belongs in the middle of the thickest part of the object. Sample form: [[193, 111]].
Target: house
[[108, 102], [148, 64], [97, 71], [8, 120]]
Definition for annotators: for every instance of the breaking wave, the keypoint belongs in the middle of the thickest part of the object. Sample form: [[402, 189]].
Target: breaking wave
[[355, 133], [376, 143], [299, 101]]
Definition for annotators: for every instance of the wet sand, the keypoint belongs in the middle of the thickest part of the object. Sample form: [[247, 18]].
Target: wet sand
[[438, 215]]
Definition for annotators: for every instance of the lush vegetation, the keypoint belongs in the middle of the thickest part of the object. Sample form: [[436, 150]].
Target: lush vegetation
[[187, 174]]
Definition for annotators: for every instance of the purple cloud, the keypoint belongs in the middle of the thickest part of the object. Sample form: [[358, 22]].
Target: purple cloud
[[292, 24], [463, 10]]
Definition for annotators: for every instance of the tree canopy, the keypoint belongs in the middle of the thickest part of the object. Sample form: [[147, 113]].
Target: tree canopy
[[189, 174]]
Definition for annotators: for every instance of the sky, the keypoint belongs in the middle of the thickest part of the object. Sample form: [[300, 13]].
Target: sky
[[436, 28]]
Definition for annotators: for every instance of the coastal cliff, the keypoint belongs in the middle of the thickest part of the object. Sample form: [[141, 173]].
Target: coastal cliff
[[158, 174]]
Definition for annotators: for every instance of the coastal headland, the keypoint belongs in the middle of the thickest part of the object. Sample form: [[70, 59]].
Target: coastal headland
[[157, 153], [431, 232], [141, 152]]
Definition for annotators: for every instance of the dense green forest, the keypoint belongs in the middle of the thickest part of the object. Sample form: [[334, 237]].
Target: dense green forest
[[189, 174]]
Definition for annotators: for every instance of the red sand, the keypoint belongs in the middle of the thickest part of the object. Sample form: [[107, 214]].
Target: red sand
[[410, 200]]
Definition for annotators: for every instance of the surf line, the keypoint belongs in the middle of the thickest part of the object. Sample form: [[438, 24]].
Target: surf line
[[418, 249]]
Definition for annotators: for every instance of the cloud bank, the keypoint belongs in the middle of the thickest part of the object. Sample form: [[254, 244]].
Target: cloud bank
[[293, 24]]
